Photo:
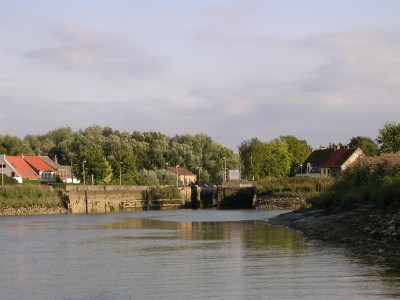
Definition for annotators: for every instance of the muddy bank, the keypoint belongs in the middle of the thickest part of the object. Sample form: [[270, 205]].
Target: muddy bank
[[285, 203], [366, 231], [32, 210]]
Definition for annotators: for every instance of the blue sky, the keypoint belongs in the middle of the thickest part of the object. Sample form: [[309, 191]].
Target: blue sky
[[323, 71]]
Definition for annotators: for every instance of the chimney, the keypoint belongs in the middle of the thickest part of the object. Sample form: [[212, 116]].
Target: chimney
[[55, 159]]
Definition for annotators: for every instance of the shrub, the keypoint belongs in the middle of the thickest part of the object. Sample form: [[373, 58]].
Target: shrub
[[374, 180], [28, 195]]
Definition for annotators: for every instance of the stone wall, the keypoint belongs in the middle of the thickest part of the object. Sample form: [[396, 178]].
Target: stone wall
[[101, 199]]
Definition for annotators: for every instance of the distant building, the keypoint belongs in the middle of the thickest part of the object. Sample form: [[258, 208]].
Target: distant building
[[35, 167], [328, 162], [64, 173], [185, 176], [17, 168]]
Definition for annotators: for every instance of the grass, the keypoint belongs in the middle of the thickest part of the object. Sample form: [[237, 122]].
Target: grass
[[301, 187], [17, 196]]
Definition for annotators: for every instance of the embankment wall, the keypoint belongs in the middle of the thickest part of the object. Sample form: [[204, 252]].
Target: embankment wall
[[101, 199]]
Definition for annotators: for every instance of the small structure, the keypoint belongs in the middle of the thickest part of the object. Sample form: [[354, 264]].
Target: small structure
[[185, 176], [328, 162], [64, 173]]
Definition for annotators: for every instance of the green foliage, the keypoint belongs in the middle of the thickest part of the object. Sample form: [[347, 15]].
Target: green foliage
[[164, 193], [389, 138], [261, 159], [92, 162], [9, 180], [298, 151], [366, 144], [11, 145], [148, 177], [28, 195], [373, 180], [302, 187]]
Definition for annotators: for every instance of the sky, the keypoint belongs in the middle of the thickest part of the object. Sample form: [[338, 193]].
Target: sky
[[322, 71]]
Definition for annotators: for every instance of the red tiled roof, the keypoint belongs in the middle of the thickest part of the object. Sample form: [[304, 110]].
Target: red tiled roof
[[38, 164], [21, 167]]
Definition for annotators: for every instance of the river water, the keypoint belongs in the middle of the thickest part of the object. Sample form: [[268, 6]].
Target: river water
[[180, 254]]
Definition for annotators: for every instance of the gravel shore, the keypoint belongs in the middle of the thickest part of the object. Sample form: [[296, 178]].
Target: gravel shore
[[365, 230], [31, 210]]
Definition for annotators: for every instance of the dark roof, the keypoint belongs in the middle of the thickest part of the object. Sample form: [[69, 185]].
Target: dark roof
[[330, 157], [55, 165], [339, 157], [318, 157]]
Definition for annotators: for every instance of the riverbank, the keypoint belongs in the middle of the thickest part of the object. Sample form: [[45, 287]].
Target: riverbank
[[31, 210], [366, 231]]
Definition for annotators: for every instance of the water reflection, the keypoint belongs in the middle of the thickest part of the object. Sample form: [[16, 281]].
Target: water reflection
[[176, 255]]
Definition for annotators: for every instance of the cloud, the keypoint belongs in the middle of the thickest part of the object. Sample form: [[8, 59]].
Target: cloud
[[324, 89], [88, 51]]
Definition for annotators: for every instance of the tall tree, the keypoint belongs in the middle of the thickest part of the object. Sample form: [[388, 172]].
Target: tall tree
[[389, 137], [366, 144], [298, 150], [251, 153], [92, 162], [276, 159], [12, 145]]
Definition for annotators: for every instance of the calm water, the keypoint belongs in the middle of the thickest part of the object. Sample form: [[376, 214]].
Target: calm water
[[184, 254]]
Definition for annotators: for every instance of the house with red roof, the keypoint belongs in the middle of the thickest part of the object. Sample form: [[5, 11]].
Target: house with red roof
[[36, 167], [46, 173], [18, 168], [328, 162]]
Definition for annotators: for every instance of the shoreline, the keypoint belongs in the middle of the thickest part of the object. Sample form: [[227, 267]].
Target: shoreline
[[365, 230], [32, 210]]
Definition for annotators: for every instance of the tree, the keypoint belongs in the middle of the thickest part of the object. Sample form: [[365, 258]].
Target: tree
[[12, 145], [123, 163], [298, 150], [366, 144], [251, 155], [276, 159], [389, 138], [92, 162]]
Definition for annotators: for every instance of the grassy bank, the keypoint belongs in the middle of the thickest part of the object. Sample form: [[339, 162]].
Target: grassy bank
[[299, 187], [22, 196], [372, 181]]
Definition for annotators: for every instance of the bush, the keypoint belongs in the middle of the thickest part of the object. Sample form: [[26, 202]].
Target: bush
[[293, 187], [164, 193], [372, 180], [28, 195]]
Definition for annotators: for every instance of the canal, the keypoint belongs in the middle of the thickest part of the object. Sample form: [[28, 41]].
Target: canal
[[179, 254]]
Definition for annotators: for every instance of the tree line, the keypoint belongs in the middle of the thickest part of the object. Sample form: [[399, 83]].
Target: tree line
[[141, 157], [136, 158]]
